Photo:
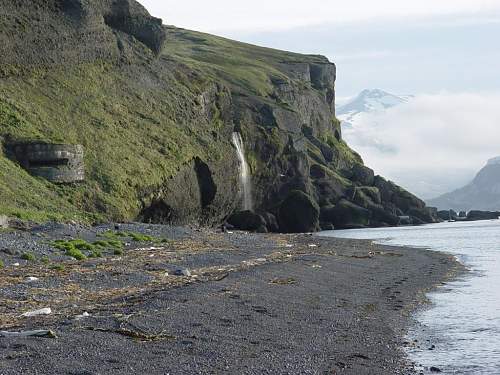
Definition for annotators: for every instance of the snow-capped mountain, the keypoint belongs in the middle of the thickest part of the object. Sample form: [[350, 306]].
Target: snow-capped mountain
[[378, 124], [368, 101]]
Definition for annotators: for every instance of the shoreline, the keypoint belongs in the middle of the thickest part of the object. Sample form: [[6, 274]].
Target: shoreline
[[248, 303]]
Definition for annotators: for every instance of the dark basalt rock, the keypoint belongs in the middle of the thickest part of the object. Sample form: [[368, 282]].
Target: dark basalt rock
[[326, 226], [248, 220], [327, 214], [482, 215], [382, 217], [416, 220], [425, 214], [347, 215], [363, 175], [271, 222], [81, 31], [298, 213], [447, 215]]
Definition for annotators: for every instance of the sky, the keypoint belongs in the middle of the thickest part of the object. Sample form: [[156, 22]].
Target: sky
[[443, 51]]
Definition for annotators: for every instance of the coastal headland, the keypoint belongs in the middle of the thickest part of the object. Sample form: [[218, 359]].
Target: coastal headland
[[174, 300]]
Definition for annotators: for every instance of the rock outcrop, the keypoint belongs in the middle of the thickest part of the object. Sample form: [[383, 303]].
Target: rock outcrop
[[298, 213], [155, 108], [476, 215]]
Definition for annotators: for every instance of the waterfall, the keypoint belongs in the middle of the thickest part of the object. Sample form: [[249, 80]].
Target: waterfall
[[246, 184]]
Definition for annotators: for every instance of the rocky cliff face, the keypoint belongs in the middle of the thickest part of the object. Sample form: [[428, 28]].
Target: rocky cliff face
[[155, 108], [38, 33]]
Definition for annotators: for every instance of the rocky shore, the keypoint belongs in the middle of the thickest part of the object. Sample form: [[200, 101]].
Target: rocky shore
[[193, 301]]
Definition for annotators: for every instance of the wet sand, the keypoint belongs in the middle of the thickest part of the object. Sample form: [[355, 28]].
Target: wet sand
[[252, 304]]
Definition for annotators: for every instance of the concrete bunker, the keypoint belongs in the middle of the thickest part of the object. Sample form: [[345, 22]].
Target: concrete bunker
[[58, 163]]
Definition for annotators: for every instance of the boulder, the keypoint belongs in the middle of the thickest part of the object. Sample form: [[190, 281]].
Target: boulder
[[298, 213], [447, 215], [416, 220], [348, 215], [247, 220], [482, 215], [362, 174], [380, 217], [365, 196], [271, 222], [405, 220], [425, 214], [327, 214], [326, 226]]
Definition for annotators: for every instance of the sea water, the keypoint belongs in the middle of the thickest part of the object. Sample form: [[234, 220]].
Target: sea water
[[463, 322]]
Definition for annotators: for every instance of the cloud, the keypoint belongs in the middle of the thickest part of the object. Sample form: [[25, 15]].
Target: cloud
[[230, 15], [432, 144]]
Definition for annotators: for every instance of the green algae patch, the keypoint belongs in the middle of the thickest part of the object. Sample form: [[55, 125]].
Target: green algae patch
[[133, 236], [80, 249], [30, 257]]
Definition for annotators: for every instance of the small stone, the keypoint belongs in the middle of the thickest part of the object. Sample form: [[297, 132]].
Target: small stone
[[435, 369], [82, 316], [10, 251], [182, 272], [44, 311], [31, 279]]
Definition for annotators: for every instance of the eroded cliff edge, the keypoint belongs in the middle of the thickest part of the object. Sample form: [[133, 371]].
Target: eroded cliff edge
[[155, 108]]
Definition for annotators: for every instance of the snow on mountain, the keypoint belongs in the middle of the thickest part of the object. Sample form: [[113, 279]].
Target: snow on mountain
[[368, 101]]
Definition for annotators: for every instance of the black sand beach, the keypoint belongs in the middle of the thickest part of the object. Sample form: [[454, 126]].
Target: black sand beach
[[246, 304]]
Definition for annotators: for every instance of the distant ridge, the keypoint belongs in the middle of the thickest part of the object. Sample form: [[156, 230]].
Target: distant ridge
[[483, 193]]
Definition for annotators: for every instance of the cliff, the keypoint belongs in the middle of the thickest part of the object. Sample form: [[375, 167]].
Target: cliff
[[155, 108]]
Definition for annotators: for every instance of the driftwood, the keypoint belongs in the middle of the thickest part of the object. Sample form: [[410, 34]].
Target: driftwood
[[141, 336], [37, 333]]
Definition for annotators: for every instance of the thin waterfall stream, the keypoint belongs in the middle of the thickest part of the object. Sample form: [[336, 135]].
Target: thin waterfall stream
[[245, 178]]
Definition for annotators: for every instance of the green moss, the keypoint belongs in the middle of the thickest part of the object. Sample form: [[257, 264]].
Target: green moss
[[74, 248], [81, 249], [109, 244], [2, 265], [30, 257], [57, 267], [75, 253], [139, 237], [134, 236], [95, 254]]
